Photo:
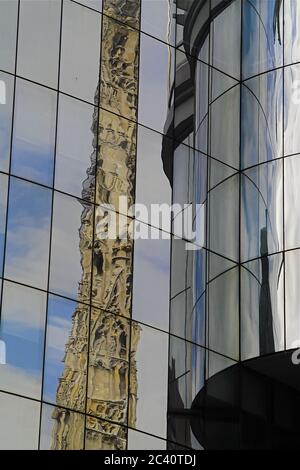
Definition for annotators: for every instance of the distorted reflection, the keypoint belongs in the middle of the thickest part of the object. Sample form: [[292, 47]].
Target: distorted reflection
[[262, 36], [262, 118], [28, 233], [67, 324], [157, 19], [22, 330], [3, 202], [34, 133], [291, 31], [291, 109], [291, 201], [261, 214], [262, 298]]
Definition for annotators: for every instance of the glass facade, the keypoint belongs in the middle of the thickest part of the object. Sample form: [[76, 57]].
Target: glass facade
[[147, 342]]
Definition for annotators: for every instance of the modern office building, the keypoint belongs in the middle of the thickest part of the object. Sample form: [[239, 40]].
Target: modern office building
[[161, 340]]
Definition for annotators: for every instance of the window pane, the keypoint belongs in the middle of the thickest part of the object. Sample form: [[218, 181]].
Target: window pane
[[262, 316], [8, 34], [291, 201], [22, 330], [61, 429], [148, 379], [80, 53], [95, 4], [34, 133], [224, 314], [6, 105], [291, 31], [151, 267], [292, 110], [156, 72], [38, 42], [262, 118], [72, 231], [65, 355], [261, 210], [157, 19], [28, 233], [140, 441], [292, 300], [3, 201], [19, 418], [75, 147]]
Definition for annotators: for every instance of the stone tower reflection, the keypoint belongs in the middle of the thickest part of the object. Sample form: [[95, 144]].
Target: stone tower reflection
[[100, 368]]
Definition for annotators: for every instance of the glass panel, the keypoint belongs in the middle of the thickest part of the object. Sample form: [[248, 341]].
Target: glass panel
[[150, 169], [75, 147], [186, 379], [157, 19], [95, 4], [19, 420], [224, 218], [34, 133], [291, 31], [224, 138], [262, 119], [201, 105], [103, 435], [8, 34], [261, 211], [292, 300], [61, 429], [291, 110], [28, 233], [38, 41], [262, 316], [80, 53], [72, 232], [65, 355], [217, 363], [108, 372], [226, 36], [140, 441], [3, 201], [148, 380], [6, 105], [262, 36], [22, 330], [151, 268], [291, 202], [223, 322], [155, 81]]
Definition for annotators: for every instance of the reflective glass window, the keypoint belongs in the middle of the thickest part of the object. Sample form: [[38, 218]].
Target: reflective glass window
[[104, 435], [54, 423], [38, 41], [75, 147], [262, 117], [22, 330], [8, 34], [19, 418], [72, 231], [140, 441], [262, 36], [80, 51], [262, 315], [6, 107], [291, 31], [65, 354], [291, 201], [224, 218], [157, 19], [3, 201], [155, 81], [292, 289], [149, 375], [151, 267], [261, 214], [34, 132], [95, 4], [291, 110], [223, 318], [28, 233], [216, 363]]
